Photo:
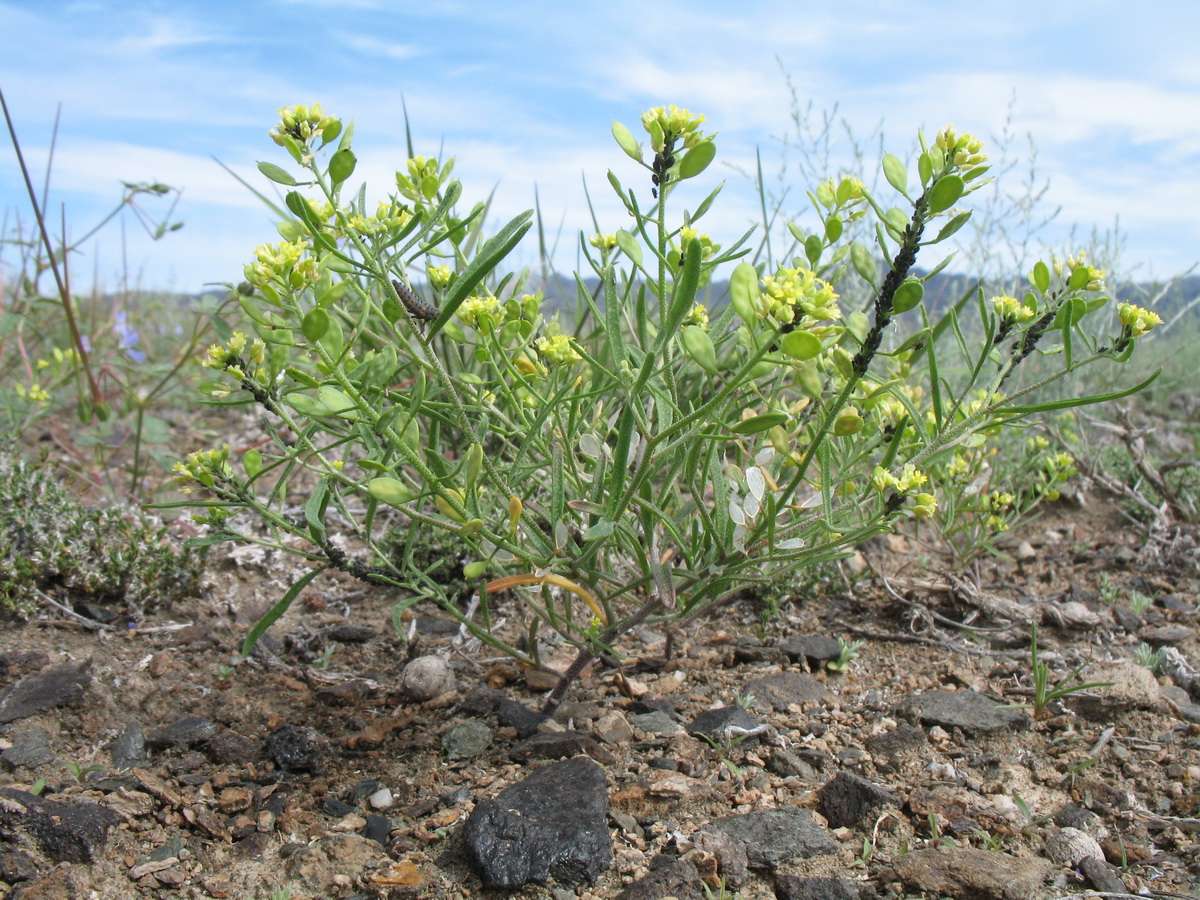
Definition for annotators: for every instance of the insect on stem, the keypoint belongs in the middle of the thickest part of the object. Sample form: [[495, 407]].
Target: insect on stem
[[418, 309]]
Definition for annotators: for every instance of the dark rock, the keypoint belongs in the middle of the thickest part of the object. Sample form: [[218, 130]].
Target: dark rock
[[332, 806], [351, 634], [674, 877], [186, 732], [66, 832], [15, 663], [459, 795], [787, 762], [972, 874], [665, 763], [128, 749], [1102, 876], [16, 865], [1127, 619], [29, 748], [365, 788], [733, 865], [378, 828], [552, 823], [58, 884], [296, 749], [230, 747], [723, 724], [849, 756], [973, 713], [776, 836], [782, 689], [1172, 603], [427, 624], [44, 690], [512, 714], [751, 652], [815, 648], [253, 845], [466, 740], [1072, 816], [1166, 635], [846, 799], [793, 887], [559, 745]]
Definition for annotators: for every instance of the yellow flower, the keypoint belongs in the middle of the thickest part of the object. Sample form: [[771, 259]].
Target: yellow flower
[[1137, 320], [557, 349], [671, 121], [301, 123]]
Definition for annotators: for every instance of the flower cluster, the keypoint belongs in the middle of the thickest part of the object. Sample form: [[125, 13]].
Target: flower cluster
[[603, 242], [994, 506], [208, 467], [35, 393], [439, 276], [234, 356], [1135, 320], [697, 316], [423, 179], [1012, 311], [300, 123], [792, 290], [557, 349], [391, 216], [481, 313], [666, 122], [963, 151], [286, 264], [707, 246], [904, 484], [1079, 273]]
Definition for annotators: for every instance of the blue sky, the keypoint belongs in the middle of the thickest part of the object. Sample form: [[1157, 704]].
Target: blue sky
[[523, 94]]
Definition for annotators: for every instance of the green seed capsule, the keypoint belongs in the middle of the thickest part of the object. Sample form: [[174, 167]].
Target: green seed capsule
[[391, 491]]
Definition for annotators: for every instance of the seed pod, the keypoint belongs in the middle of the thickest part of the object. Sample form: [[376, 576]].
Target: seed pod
[[447, 509], [391, 491], [849, 421], [699, 347]]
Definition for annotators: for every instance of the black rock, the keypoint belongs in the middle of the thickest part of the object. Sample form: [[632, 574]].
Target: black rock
[[973, 713], [846, 799], [559, 745], [332, 806], [723, 724], [895, 743], [29, 748], [793, 887], [776, 836], [186, 732], [512, 714], [128, 749], [365, 788], [1102, 876], [552, 823], [44, 690], [66, 832], [296, 749], [669, 877], [351, 634], [378, 828], [16, 865]]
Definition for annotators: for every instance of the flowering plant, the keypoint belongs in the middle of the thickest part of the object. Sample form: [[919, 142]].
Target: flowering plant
[[655, 453]]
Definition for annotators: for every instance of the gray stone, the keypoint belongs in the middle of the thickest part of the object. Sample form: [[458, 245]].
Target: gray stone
[[776, 836], [186, 732], [846, 799], [723, 724], [128, 749], [782, 689], [793, 887], [1101, 875], [296, 749], [656, 722], [733, 865], [65, 832], [814, 648], [44, 690], [972, 874], [559, 745], [427, 677], [973, 713], [550, 824], [669, 877], [16, 865], [890, 746], [466, 740], [29, 748]]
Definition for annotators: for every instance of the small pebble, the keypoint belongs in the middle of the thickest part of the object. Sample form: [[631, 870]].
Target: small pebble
[[381, 799]]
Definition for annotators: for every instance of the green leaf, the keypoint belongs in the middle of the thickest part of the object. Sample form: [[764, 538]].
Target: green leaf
[[697, 159], [833, 228], [699, 347], [1041, 276], [813, 245], [757, 424], [743, 291], [863, 263], [924, 168], [626, 141], [952, 226], [485, 260], [341, 166], [630, 247], [276, 174], [909, 294], [599, 530], [895, 173], [278, 610], [825, 195], [1020, 412], [945, 193], [801, 345], [315, 324]]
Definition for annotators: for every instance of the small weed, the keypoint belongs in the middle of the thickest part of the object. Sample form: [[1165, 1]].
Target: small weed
[[81, 773], [281, 893], [1043, 693], [1150, 657], [988, 841], [744, 702], [846, 652], [326, 656], [37, 787], [1139, 602], [1109, 592], [1077, 768]]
